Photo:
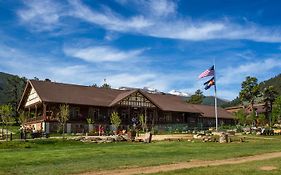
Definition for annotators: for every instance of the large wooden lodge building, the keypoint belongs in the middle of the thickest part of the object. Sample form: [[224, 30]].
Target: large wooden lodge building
[[41, 101]]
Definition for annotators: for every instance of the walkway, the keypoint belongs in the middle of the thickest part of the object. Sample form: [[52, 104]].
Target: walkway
[[186, 165]]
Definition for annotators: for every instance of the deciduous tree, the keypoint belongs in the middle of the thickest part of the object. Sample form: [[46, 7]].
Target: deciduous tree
[[240, 116], [142, 121], [63, 116], [115, 119], [22, 117], [6, 112], [261, 119]]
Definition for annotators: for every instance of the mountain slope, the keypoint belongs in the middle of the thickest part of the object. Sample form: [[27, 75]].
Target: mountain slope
[[11, 88], [210, 100], [275, 81]]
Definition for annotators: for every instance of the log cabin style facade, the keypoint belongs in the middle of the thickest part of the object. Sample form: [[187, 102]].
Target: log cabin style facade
[[41, 101]]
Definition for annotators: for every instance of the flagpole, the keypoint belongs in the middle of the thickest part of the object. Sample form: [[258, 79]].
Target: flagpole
[[216, 108]]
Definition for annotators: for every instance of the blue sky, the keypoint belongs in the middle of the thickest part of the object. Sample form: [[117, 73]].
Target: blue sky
[[162, 44]]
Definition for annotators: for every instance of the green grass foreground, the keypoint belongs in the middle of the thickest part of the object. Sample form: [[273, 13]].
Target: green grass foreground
[[63, 157], [251, 168]]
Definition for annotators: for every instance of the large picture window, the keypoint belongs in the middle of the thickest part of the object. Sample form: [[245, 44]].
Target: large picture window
[[74, 112]]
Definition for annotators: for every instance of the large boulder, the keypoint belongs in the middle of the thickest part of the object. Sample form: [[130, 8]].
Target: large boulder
[[147, 137], [223, 138]]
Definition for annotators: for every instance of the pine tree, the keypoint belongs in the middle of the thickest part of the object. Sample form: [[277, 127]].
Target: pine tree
[[269, 95], [276, 110], [250, 91], [197, 98]]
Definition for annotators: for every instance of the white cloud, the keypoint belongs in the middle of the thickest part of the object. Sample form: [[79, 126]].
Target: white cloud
[[150, 78], [132, 80], [102, 53], [152, 8], [111, 36], [222, 92], [107, 18], [86, 73], [68, 70], [157, 19], [162, 7], [41, 15], [227, 94], [159, 8], [127, 74], [246, 55], [234, 75]]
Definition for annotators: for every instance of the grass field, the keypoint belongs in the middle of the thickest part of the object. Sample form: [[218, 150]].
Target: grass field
[[64, 157], [252, 168]]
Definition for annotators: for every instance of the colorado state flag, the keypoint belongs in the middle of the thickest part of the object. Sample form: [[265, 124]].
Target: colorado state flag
[[209, 83]]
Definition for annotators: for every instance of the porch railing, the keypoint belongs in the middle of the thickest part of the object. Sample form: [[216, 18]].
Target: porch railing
[[34, 119]]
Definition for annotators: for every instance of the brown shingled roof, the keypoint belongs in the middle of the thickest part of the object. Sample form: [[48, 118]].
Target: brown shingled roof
[[171, 103], [259, 108], [74, 94], [125, 94], [122, 96], [85, 95], [209, 111], [93, 96]]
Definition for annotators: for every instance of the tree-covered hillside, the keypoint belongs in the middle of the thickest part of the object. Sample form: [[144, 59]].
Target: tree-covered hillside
[[11, 88], [275, 82], [210, 100]]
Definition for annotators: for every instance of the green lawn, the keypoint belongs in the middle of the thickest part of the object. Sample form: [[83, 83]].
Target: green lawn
[[251, 168], [58, 157]]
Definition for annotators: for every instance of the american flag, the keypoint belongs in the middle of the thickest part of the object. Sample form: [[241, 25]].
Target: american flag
[[208, 72]]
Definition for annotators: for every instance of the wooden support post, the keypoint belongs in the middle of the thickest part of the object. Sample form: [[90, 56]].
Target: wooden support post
[[109, 111], [44, 111], [28, 112], [36, 111], [145, 118], [155, 116], [129, 109]]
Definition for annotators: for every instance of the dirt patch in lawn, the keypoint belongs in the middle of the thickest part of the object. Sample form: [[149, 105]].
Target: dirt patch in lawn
[[168, 137], [268, 168]]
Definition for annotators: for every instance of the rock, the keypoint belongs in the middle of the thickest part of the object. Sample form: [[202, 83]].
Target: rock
[[223, 138], [230, 132], [110, 139], [148, 137], [126, 137], [197, 136]]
